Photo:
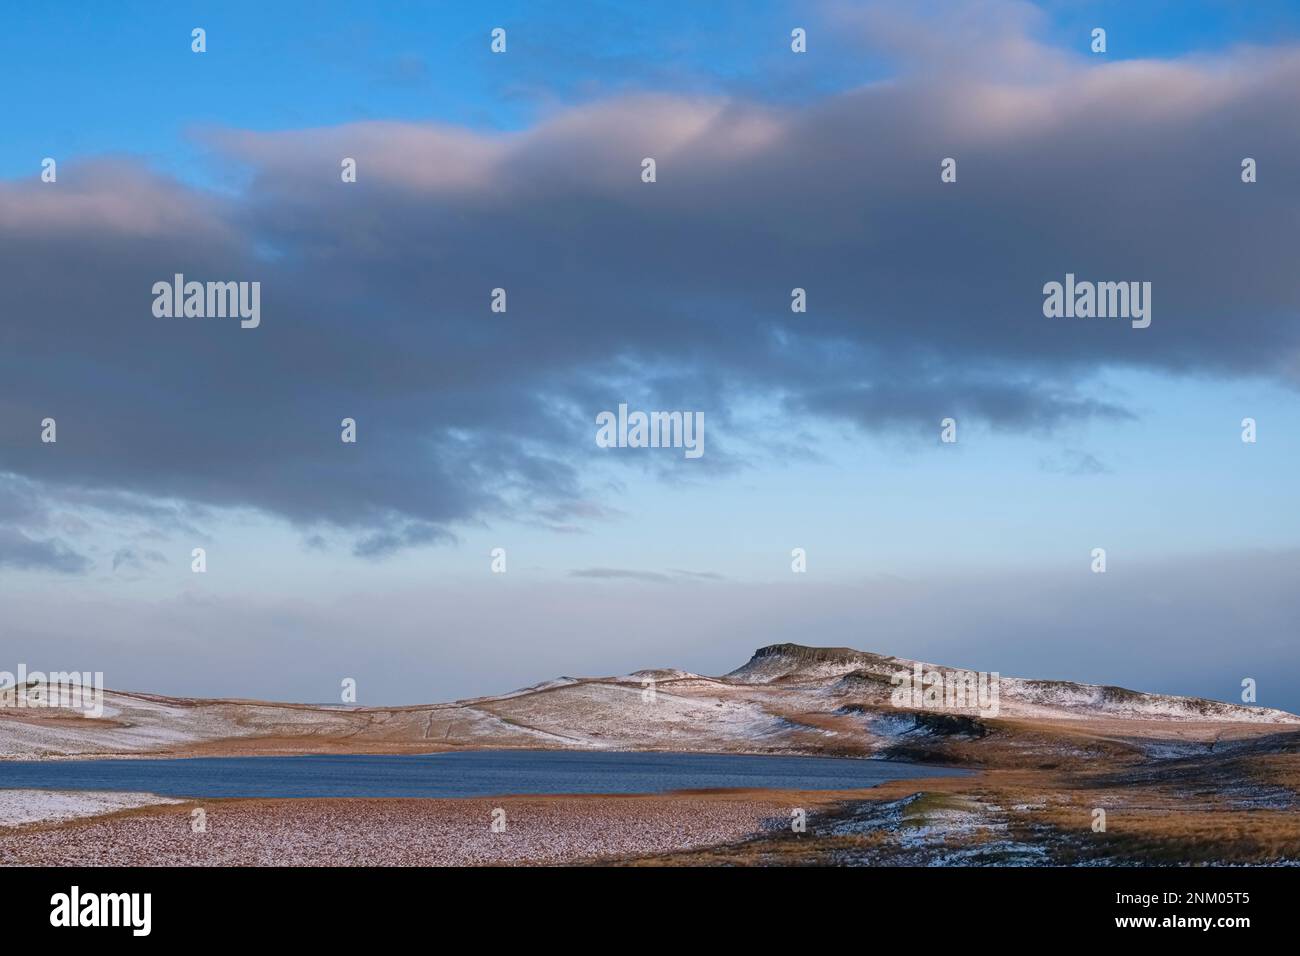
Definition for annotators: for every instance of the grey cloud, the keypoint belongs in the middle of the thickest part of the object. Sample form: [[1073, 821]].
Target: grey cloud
[[384, 543], [18, 550], [1030, 406], [1074, 462], [36, 519], [616, 574], [655, 577], [924, 299], [135, 559]]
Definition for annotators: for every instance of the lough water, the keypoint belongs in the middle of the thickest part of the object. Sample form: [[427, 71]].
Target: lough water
[[478, 773]]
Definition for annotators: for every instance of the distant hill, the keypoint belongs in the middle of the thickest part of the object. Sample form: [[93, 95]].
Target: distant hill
[[788, 698]]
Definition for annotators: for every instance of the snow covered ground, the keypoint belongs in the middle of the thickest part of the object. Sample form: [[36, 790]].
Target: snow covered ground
[[19, 807], [402, 832]]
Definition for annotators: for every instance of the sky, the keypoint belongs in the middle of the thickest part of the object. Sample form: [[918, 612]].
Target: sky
[[476, 430]]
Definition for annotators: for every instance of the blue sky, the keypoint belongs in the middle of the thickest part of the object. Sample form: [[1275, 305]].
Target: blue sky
[[822, 434], [89, 79]]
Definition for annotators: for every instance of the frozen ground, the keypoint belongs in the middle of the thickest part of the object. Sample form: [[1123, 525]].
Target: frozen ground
[[19, 807], [549, 830]]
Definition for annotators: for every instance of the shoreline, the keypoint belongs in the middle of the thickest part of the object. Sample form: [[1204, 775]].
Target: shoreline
[[35, 804], [1162, 812]]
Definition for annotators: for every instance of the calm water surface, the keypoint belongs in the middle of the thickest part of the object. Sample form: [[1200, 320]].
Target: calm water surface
[[478, 773]]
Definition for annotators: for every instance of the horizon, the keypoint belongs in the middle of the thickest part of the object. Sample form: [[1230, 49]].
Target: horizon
[[9, 681], [487, 528]]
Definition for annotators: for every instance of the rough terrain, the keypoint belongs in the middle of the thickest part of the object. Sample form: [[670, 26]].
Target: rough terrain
[[1179, 780]]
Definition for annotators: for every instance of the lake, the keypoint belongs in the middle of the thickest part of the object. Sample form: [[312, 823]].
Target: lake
[[479, 773]]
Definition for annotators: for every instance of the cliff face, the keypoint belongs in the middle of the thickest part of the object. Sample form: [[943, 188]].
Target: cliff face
[[786, 661], [812, 655], [867, 678]]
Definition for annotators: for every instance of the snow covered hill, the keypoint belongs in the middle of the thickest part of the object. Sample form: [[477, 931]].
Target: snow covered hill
[[787, 699]]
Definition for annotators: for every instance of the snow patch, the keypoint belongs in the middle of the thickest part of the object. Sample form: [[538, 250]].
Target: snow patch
[[20, 807]]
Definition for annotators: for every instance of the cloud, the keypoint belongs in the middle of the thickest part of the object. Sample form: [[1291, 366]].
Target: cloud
[[653, 577], [134, 559], [107, 200], [1028, 406], [924, 299], [17, 550], [1073, 462], [384, 543], [615, 574]]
